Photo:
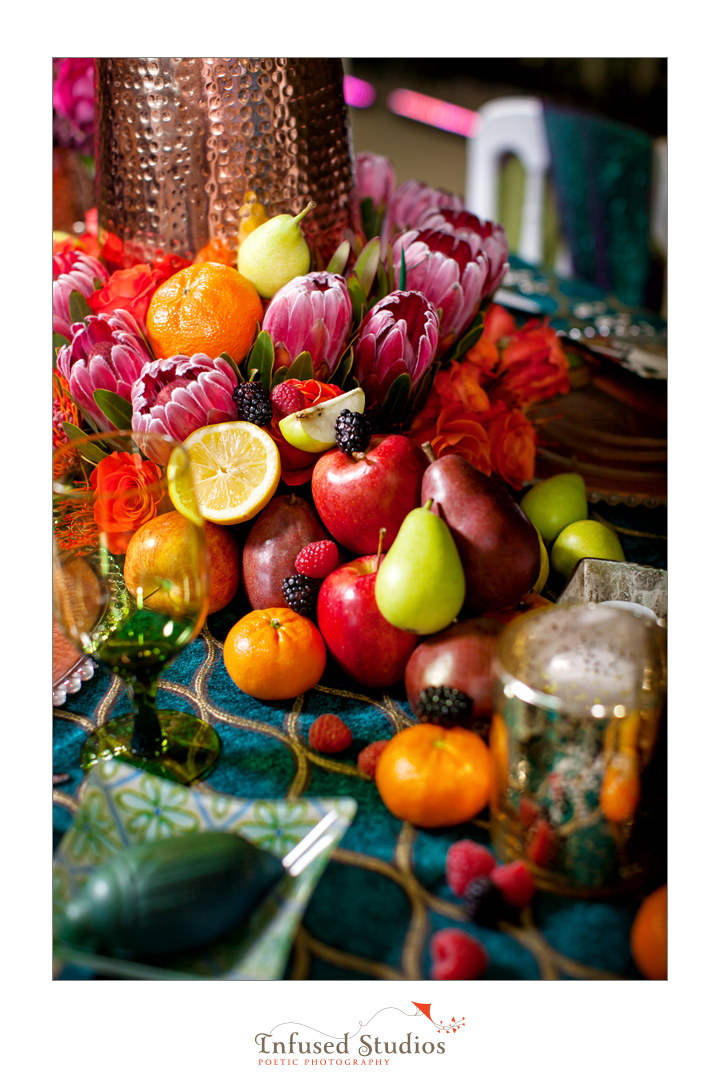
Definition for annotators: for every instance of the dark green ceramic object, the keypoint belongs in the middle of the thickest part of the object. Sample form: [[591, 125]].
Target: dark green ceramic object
[[170, 895]]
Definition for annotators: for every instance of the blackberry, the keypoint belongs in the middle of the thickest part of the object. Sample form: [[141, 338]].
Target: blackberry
[[444, 705], [352, 432], [484, 902], [301, 593], [253, 403]]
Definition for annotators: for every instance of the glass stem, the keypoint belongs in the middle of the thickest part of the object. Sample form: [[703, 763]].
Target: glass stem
[[147, 739]]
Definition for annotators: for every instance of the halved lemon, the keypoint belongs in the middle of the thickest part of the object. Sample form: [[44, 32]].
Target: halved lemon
[[235, 469]]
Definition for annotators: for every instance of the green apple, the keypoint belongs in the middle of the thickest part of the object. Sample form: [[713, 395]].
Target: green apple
[[556, 502], [584, 540], [313, 429], [544, 566]]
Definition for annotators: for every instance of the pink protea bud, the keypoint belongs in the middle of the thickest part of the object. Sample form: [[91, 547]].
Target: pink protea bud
[[73, 270], [413, 198], [375, 179], [400, 333], [483, 236], [181, 394], [107, 352], [442, 267], [314, 313]]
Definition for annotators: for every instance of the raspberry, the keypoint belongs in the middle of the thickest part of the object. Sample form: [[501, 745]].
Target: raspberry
[[515, 883], [286, 399], [368, 758], [253, 403], [317, 560], [540, 843], [484, 902], [457, 955], [464, 861], [301, 593], [329, 735]]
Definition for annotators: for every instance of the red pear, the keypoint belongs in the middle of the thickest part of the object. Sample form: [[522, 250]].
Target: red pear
[[279, 533], [497, 543]]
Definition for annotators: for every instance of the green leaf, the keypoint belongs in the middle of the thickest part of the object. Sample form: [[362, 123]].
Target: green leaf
[[341, 372], [357, 298], [301, 367], [366, 266], [403, 271], [279, 376], [79, 307], [425, 386], [339, 259], [233, 365], [395, 403], [91, 452], [383, 282], [262, 358], [59, 342], [115, 408], [471, 337]]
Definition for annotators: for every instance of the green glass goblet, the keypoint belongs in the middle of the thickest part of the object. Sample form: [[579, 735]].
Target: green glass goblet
[[130, 588]]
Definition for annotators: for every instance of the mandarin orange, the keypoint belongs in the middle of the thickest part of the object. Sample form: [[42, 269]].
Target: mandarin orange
[[274, 653], [648, 937], [206, 308], [433, 776]]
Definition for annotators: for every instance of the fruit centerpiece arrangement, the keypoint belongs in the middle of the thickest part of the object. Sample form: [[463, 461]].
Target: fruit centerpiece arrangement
[[359, 435]]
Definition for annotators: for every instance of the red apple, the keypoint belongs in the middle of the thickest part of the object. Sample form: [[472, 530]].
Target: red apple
[[360, 639], [357, 495]]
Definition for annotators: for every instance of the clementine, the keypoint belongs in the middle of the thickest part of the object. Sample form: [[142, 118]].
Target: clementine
[[433, 776], [206, 308], [648, 937], [274, 653]]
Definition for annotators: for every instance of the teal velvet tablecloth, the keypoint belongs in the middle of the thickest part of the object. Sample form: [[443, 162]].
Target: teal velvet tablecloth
[[384, 892]]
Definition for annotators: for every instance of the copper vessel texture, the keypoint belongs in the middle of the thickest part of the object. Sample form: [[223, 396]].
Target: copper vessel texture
[[184, 143]]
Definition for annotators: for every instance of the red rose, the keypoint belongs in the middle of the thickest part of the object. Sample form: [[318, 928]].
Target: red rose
[[130, 290], [297, 465], [512, 445], [532, 366], [459, 431], [127, 493]]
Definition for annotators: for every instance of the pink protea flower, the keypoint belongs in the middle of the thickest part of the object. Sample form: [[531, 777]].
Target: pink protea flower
[[413, 198], [74, 103], [73, 270], [375, 179], [181, 394], [107, 352], [442, 267], [483, 236], [314, 313], [400, 333]]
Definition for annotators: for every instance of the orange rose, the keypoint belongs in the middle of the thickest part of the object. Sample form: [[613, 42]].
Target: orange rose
[[512, 441], [458, 431], [127, 494], [485, 354], [460, 385], [130, 290], [297, 465], [533, 366]]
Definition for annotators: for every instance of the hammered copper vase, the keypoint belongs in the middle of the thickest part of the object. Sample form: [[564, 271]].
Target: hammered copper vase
[[184, 143]]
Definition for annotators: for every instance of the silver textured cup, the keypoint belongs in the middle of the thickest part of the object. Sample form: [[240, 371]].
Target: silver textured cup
[[579, 748], [181, 142]]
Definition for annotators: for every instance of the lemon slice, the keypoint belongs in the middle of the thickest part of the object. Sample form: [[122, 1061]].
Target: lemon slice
[[313, 429], [235, 470], [181, 489]]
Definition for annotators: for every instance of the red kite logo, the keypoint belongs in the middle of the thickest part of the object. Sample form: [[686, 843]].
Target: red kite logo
[[454, 1024]]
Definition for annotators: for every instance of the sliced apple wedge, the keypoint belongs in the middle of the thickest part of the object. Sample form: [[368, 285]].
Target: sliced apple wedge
[[313, 429]]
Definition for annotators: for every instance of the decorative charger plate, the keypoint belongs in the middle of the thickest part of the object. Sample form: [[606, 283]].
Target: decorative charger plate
[[122, 806], [70, 668]]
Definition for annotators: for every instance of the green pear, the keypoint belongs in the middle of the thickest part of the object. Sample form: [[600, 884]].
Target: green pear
[[420, 585], [275, 253], [556, 502], [584, 540]]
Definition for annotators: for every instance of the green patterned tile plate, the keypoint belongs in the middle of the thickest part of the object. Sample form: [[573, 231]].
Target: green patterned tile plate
[[122, 806]]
